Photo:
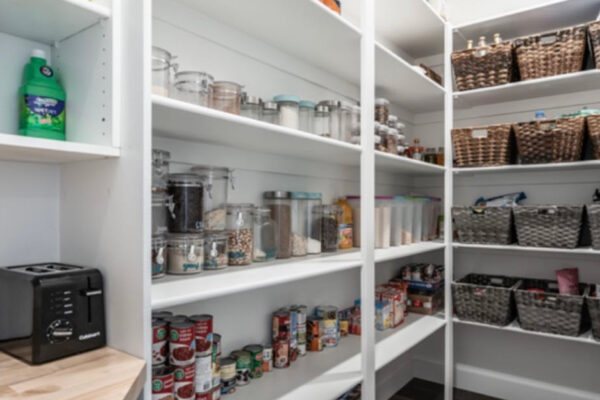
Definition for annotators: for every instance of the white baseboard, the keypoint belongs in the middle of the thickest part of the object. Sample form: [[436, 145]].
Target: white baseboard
[[393, 377]]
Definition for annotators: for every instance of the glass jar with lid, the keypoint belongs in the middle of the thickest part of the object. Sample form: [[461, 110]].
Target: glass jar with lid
[[215, 250], [335, 117], [279, 202], [288, 110], [307, 115], [430, 156], [194, 87], [270, 113], [322, 121], [160, 213], [162, 65], [313, 200], [265, 235], [215, 185], [160, 169], [299, 223], [251, 107], [345, 121], [226, 96], [392, 140], [185, 253], [381, 110], [329, 215], [240, 224], [392, 121], [354, 120], [382, 130], [186, 194], [440, 156], [159, 256]]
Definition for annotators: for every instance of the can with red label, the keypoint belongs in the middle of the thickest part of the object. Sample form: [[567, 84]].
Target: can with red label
[[159, 341], [281, 354], [281, 326], [256, 354], [184, 382], [216, 392], [204, 396], [161, 314], [203, 378], [204, 333], [162, 383], [182, 346], [267, 358]]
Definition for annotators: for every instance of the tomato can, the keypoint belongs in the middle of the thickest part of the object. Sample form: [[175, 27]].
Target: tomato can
[[203, 378], [314, 334], [281, 326], [243, 365], [184, 382], [204, 333], [171, 319], [163, 382], [281, 354], [182, 347], [267, 358], [216, 392], [256, 353], [159, 341], [204, 396]]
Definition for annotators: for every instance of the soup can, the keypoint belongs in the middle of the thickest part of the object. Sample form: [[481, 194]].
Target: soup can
[[216, 392], [256, 353], [216, 373], [228, 375], [204, 333], [182, 347], [267, 358], [203, 377], [330, 333], [163, 383], [159, 341], [161, 314], [204, 395], [301, 329], [281, 326], [281, 354], [243, 365], [314, 333], [184, 382]]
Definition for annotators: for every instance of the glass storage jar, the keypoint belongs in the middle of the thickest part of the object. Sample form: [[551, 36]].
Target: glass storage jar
[[391, 144], [186, 194], [382, 131], [265, 235], [299, 223], [185, 253], [240, 224], [313, 228], [383, 221], [322, 121], [215, 250], [160, 211], [381, 110], [345, 121], [439, 160], [193, 87], [270, 113], [251, 107], [354, 120], [329, 215], [226, 96], [159, 256], [288, 110], [430, 156], [392, 121], [160, 169], [279, 202], [161, 71], [335, 117], [307, 116], [215, 185]]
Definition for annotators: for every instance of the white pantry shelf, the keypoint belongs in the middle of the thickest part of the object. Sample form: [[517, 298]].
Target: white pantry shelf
[[31, 149], [403, 165], [397, 252], [180, 120], [580, 251], [573, 166], [49, 21]]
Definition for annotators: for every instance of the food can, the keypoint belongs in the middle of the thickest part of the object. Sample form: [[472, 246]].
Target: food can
[[416, 273], [302, 313], [204, 333], [216, 392], [281, 354], [171, 319], [182, 347], [281, 326], [216, 376], [161, 314], [330, 333], [293, 335], [163, 382], [405, 273], [314, 333], [159, 342], [267, 358], [204, 396], [228, 380], [184, 382], [243, 364], [256, 352], [216, 346], [203, 378], [228, 386], [326, 312]]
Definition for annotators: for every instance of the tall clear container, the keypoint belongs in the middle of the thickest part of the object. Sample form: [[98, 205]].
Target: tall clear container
[[279, 202], [186, 194], [335, 117], [160, 169], [354, 202], [159, 256], [193, 87], [329, 215], [240, 226], [265, 235], [307, 116], [160, 213], [313, 201], [300, 219], [427, 218], [252, 107], [345, 121], [227, 96], [289, 112], [215, 185], [354, 120], [417, 227], [270, 113], [162, 65], [407, 220], [322, 121], [383, 221], [398, 215]]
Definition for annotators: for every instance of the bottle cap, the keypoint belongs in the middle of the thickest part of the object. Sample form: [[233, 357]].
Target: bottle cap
[[38, 53]]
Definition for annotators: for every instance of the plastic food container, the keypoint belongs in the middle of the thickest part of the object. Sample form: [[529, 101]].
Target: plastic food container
[[251, 107], [265, 235], [417, 225], [335, 115], [322, 121], [383, 221], [160, 206], [161, 71], [354, 202], [307, 115], [185, 253], [226, 96], [398, 222], [270, 113], [160, 169], [215, 184], [288, 110], [313, 224], [300, 216], [194, 87], [186, 193], [159, 256], [215, 250], [279, 202], [329, 215]]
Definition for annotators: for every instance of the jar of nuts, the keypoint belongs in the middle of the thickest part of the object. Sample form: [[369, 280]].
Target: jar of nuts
[[239, 224]]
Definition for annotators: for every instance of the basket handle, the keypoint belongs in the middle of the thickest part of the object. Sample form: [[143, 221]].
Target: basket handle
[[549, 210], [546, 40]]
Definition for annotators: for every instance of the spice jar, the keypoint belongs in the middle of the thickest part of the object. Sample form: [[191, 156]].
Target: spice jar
[[381, 110], [430, 156], [335, 117], [391, 143], [288, 110], [160, 169], [215, 183], [299, 223], [215, 250], [185, 253], [307, 116], [265, 235], [193, 87], [322, 121], [159, 256], [186, 194], [226, 96], [270, 113], [251, 107], [240, 228], [160, 208], [313, 229], [439, 159], [161, 71], [328, 214], [279, 202]]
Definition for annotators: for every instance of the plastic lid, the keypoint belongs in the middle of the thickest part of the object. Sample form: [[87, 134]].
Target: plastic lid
[[277, 194], [207, 170], [392, 119], [382, 102], [307, 104], [286, 97], [305, 195], [251, 100], [38, 53]]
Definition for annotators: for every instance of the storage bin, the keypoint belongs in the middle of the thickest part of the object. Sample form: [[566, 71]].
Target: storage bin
[[542, 309], [593, 306], [547, 141], [488, 299], [593, 214], [551, 53], [486, 225], [548, 225], [485, 66], [594, 33], [593, 124], [483, 146]]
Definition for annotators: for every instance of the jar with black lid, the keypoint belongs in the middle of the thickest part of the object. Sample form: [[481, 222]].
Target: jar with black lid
[[186, 195]]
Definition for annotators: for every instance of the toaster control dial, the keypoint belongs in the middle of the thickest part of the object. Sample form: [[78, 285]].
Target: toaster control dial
[[59, 330]]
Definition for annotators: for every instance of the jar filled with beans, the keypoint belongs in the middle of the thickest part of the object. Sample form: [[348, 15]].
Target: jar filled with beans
[[240, 230]]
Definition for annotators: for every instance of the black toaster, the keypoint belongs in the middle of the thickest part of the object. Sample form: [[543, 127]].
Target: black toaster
[[49, 311]]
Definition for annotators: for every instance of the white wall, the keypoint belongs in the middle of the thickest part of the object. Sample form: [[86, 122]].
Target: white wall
[[461, 11]]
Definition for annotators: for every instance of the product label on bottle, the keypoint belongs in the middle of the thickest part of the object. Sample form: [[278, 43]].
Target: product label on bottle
[[346, 237], [43, 112]]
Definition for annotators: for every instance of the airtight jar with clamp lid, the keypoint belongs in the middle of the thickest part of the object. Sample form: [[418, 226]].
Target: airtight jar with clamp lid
[[161, 207], [161, 71], [160, 169], [240, 225], [193, 87], [186, 193], [185, 253], [251, 107], [215, 250], [215, 184], [226, 96]]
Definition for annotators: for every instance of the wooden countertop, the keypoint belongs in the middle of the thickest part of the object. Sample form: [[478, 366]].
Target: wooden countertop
[[99, 374]]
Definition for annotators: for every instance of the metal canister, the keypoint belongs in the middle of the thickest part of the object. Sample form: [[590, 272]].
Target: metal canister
[[163, 382], [204, 333], [243, 364], [228, 375], [314, 334], [301, 329], [184, 382], [281, 354], [267, 358], [182, 347], [256, 352], [159, 341], [281, 326], [203, 373]]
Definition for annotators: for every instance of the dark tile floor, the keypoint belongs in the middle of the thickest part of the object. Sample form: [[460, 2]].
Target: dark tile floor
[[418, 389]]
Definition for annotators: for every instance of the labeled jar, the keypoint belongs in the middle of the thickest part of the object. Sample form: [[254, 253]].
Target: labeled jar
[[226, 96], [322, 121], [329, 215], [239, 225], [335, 117], [288, 110], [265, 235], [193, 87], [381, 110], [215, 250], [313, 200], [251, 107], [186, 194], [279, 202], [215, 185], [185, 253], [270, 113], [299, 203], [307, 115], [159, 256], [391, 144], [160, 169], [162, 65]]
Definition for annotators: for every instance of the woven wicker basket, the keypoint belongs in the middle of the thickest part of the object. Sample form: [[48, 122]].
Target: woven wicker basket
[[551, 53], [593, 305], [485, 298], [593, 124], [559, 140], [487, 225], [593, 213], [548, 226], [480, 67], [594, 33], [431, 74], [483, 146], [549, 311]]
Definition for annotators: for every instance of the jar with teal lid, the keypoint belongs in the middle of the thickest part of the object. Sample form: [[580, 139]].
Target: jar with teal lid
[[289, 110], [306, 115]]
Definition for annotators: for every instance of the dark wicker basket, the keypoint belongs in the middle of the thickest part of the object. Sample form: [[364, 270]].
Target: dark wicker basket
[[558, 140], [485, 298], [487, 225], [593, 124], [593, 214], [483, 146], [481, 67], [551, 53], [594, 33], [550, 312], [548, 226], [593, 306]]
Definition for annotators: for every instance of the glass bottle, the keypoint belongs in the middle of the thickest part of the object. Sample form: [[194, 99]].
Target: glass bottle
[[265, 235]]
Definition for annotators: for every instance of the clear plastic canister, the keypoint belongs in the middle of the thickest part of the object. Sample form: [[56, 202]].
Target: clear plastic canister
[[227, 96], [383, 221], [185, 253], [307, 116], [329, 215], [193, 87], [160, 209], [299, 223], [417, 227], [322, 121], [265, 235], [288, 110], [215, 185], [161, 71], [398, 206], [335, 117], [270, 113], [279, 202], [160, 169], [215, 250], [407, 220], [252, 107], [427, 218], [345, 121], [314, 224], [240, 226]]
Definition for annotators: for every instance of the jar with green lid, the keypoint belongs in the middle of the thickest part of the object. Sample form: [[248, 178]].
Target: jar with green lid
[[215, 186], [185, 253], [239, 224], [215, 250], [159, 256], [307, 115], [193, 87], [186, 194], [279, 202], [265, 235]]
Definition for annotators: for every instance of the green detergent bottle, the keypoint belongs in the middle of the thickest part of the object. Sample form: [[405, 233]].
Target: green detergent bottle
[[41, 101]]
